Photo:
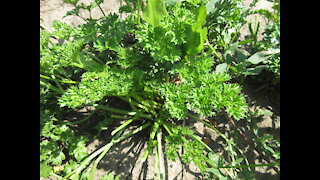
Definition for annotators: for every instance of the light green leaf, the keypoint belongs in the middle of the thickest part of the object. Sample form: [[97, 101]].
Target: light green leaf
[[256, 70], [45, 170], [221, 68], [58, 160], [172, 2], [154, 12], [201, 15], [211, 6], [197, 34], [214, 158], [238, 161], [261, 56], [217, 173]]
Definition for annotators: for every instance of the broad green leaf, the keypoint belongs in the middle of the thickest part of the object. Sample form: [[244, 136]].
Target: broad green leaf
[[254, 71], [45, 170], [201, 15], [154, 12], [197, 34], [171, 2], [221, 68], [58, 160], [240, 56], [261, 56], [217, 173]]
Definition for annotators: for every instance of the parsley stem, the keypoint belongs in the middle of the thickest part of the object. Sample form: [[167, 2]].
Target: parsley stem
[[150, 142], [122, 126], [116, 110], [63, 81], [91, 176], [160, 154], [213, 50], [139, 114], [105, 148], [139, 8], [57, 90], [94, 57], [101, 10]]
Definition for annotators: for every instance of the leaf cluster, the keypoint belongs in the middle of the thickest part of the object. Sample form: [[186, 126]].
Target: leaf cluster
[[157, 63], [58, 143], [193, 150]]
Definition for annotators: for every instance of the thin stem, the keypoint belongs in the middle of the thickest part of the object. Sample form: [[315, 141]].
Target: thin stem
[[94, 57], [139, 113], [57, 83], [122, 126], [139, 8], [222, 135], [63, 81], [102, 9], [160, 154], [77, 65], [82, 120], [199, 140], [107, 146], [213, 50], [150, 142], [116, 110], [100, 157], [252, 165]]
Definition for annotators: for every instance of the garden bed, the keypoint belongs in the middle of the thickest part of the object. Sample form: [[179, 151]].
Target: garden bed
[[124, 158]]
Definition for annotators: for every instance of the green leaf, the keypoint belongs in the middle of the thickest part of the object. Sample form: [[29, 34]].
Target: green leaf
[[200, 15], [214, 158], [154, 12], [45, 170], [238, 161], [73, 2], [254, 71], [197, 34], [211, 6], [58, 160], [217, 173], [221, 68], [172, 2], [260, 56]]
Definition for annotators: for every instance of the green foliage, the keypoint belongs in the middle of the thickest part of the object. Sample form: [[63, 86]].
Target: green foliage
[[193, 150], [271, 38], [110, 176], [157, 63], [225, 18], [57, 143], [154, 12], [62, 30], [195, 91], [241, 63]]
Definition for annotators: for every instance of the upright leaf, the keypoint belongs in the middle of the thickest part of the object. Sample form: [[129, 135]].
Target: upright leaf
[[198, 34], [154, 12]]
